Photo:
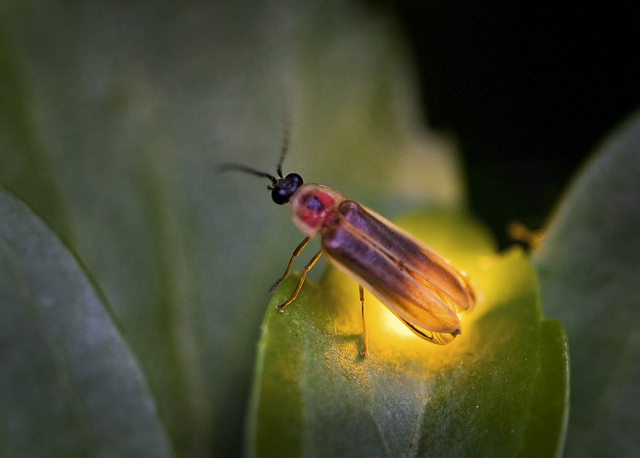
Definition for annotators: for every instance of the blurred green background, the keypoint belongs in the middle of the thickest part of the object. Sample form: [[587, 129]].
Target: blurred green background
[[114, 115]]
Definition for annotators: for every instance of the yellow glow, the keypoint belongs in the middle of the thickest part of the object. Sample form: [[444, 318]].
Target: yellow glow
[[393, 325], [389, 340]]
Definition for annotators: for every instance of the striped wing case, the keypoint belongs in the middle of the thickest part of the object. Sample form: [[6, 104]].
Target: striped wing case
[[420, 287]]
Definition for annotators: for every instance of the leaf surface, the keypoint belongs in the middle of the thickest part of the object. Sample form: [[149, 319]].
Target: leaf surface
[[589, 266], [67, 377], [113, 118], [500, 389]]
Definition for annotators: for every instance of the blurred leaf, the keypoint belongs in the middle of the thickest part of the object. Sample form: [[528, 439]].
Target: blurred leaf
[[500, 389], [112, 117], [67, 378], [589, 266]]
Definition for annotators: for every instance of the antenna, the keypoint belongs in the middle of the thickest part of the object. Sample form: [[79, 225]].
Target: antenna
[[286, 134], [243, 168]]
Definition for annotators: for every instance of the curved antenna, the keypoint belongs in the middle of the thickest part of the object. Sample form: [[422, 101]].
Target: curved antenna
[[243, 168], [286, 135]]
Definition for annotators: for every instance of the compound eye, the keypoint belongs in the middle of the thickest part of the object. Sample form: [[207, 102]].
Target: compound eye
[[285, 188], [280, 196], [294, 179]]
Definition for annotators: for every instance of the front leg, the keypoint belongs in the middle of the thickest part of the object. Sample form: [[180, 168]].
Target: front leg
[[295, 254], [306, 269]]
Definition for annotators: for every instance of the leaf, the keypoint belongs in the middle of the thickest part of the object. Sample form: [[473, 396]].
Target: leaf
[[67, 377], [113, 117], [589, 265], [500, 389]]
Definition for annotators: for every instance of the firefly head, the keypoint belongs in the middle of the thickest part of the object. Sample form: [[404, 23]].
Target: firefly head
[[285, 187]]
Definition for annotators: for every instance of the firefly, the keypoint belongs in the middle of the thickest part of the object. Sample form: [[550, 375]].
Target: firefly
[[421, 288]]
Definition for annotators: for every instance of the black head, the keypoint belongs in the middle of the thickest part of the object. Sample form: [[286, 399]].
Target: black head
[[281, 188], [285, 187]]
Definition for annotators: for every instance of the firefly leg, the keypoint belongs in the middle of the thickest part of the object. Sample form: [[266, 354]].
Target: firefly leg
[[295, 254], [365, 345], [306, 269]]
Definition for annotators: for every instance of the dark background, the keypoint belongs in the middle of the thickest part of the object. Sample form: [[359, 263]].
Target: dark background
[[528, 90]]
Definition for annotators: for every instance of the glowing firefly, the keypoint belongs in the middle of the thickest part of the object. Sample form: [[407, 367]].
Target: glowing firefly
[[420, 287]]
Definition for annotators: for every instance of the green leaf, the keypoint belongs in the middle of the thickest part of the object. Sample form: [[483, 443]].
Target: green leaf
[[113, 116], [67, 377], [500, 389], [589, 266]]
